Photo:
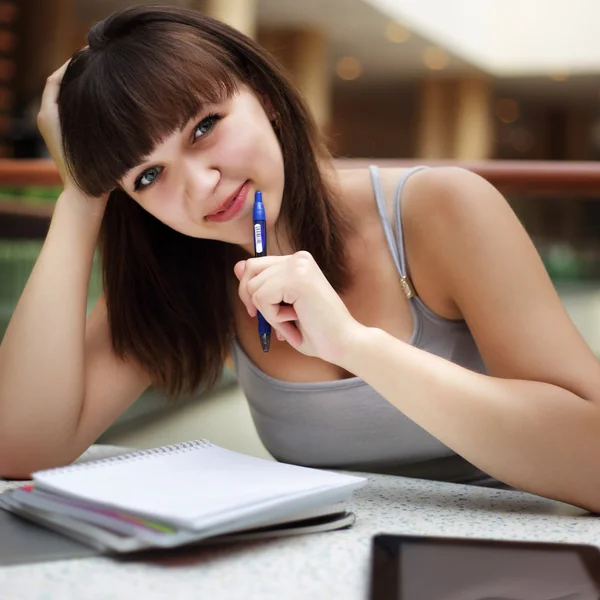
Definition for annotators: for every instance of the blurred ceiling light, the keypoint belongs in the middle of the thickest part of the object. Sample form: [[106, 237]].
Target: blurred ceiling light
[[595, 133], [348, 68], [396, 32], [6, 98], [8, 12], [507, 110], [560, 76], [521, 139], [8, 41], [7, 69], [435, 58]]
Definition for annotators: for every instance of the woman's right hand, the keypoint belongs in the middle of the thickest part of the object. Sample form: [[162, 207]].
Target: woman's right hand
[[49, 123], [49, 126]]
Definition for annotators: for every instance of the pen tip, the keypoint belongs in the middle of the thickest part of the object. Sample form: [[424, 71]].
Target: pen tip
[[265, 341]]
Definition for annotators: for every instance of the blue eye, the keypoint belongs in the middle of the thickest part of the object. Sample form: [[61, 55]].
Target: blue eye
[[147, 178], [205, 126]]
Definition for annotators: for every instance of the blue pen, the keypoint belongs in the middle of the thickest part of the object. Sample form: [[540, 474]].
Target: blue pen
[[260, 249]]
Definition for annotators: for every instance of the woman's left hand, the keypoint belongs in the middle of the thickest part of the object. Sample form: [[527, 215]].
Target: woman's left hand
[[296, 299]]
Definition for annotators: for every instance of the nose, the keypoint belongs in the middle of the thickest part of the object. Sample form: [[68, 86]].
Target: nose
[[199, 185]]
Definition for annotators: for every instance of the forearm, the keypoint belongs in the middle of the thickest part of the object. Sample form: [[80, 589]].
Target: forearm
[[532, 435], [42, 353]]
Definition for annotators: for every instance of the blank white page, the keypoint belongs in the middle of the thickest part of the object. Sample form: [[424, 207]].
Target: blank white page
[[190, 483]]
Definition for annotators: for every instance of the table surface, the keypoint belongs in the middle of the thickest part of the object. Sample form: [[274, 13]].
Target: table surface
[[327, 565]]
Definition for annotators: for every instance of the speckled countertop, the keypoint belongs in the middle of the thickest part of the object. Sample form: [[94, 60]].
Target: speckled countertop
[[333, 565]]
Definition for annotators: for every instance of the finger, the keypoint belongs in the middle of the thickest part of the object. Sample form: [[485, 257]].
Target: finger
[[58, 74], [285, 313], [280, 314], [245, 297], [267, 299], [287, 332], [50, 93], [286, 286], [239, 269], [254, 267], [266, 293]]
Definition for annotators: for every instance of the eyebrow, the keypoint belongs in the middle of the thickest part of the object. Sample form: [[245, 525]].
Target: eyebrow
[[201, 109], [146, 159]]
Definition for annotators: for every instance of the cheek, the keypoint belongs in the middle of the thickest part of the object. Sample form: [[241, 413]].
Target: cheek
[[166, 210], [251, 149]]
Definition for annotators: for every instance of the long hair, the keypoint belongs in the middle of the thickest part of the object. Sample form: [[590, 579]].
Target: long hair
[[146, 72]]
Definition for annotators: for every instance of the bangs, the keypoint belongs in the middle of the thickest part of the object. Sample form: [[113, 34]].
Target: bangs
[[133, 95]]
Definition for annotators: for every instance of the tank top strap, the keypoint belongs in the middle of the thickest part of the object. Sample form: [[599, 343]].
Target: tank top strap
[[394, 235], [382, 210]]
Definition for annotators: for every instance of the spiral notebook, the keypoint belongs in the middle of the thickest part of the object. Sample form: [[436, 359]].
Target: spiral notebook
[[180, 494]]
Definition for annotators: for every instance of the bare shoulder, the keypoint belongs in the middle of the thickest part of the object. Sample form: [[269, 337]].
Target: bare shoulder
[[428, 196], [356, 186], [423, 190], [425, 181], [436, 193], [427, 191], [476, 246], [450, 213], [445, 213], [470, 258]]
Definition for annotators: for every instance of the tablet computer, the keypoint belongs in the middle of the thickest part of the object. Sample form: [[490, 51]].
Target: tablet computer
[[406, 567]]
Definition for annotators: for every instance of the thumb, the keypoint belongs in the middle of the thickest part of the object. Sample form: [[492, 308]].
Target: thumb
[[239, 269]]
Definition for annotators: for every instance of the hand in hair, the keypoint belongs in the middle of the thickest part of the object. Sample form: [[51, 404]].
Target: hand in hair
[[49, 123], [294, 296]]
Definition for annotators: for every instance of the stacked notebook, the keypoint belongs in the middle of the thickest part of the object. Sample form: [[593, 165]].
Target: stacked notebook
[[182, 494]]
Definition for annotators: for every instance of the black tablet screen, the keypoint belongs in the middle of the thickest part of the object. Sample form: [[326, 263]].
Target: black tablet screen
[[445, 571]]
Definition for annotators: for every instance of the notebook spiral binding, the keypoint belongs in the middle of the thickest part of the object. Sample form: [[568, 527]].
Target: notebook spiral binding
[[136, 456]]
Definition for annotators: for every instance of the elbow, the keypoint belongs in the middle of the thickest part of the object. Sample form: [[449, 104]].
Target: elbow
[[25, 450], [586, 499], [22, 466], [18, 461], [14, 473], [586, 503], [582, 491], [11, 463], [14, 467]]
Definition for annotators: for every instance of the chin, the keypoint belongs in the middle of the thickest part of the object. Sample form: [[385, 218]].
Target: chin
[[239, 239]]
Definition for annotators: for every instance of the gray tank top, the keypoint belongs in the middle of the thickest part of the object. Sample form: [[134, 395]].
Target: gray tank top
[[346, 424]]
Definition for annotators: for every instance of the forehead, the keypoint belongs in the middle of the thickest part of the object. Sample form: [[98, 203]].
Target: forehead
[[244, 98], [136, 94]]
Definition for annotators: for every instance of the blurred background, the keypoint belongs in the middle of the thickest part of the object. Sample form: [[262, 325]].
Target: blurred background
[[462, 81]]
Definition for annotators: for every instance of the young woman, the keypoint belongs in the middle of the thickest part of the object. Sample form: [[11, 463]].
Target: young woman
[[415, 328]]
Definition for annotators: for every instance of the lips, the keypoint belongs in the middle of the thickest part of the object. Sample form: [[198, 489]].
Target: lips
[[231, 206]]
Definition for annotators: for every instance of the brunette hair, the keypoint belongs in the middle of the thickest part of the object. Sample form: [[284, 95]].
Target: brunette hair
[[146, 72]]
